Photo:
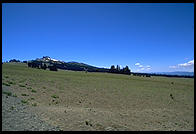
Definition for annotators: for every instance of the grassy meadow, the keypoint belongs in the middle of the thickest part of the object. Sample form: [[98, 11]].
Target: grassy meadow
[[75, 100]]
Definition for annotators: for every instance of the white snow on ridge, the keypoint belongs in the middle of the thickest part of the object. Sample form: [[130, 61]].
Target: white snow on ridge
[[54, 59]]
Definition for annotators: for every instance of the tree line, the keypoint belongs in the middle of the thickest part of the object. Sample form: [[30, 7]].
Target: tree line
[[14, 60], [118, 70], [40, 65]]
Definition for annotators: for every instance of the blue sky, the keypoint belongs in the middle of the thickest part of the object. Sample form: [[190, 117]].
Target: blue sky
[[148, 37]]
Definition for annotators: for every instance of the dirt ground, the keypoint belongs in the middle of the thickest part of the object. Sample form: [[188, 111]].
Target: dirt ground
[[105, 102]]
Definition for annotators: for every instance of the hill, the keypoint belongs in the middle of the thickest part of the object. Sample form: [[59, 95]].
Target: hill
[[76, 66], [80, 67]]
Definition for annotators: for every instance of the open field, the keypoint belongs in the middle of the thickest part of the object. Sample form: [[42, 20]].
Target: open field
[[101, 101]]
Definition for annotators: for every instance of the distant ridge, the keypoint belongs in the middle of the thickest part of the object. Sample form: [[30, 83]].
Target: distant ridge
[[78, 66], [180, 73], [72, 65]]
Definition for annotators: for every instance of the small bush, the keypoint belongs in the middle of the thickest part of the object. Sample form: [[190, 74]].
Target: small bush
[[34, 104], [7, 93], [24, 101], [87, 122], [44, 87], [6, 76], [12, 107], [6, 84], [21, 81], [54, 96], [32, 98], [10, 82], [24, 94], [29, 87], [21, 85], [33, 91], [14, 95]]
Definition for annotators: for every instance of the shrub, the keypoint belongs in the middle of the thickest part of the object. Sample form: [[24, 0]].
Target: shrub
[[54, 96], [21, 85], [10, 82], [14, 95], [24, 101], [33, 91], [24, 94], [6, 76], [34, 104], [7, 93], [87, 122], [29, 88], [21, 81], [6, 84], [12, 107]]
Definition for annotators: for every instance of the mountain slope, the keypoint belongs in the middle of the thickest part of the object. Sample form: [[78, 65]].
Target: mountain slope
[[82, 66], [76, 66], [178, 73]]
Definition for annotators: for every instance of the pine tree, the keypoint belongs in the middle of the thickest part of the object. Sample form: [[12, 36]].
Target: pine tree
[[118, 69], [127, 70], [112, 69]]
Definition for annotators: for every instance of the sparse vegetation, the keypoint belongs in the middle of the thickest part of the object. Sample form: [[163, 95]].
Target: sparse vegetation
[[56, 102], [34, 104], [7, 93], [6, 84], [12, 108], [115, 99], [55, 96], [14, 95], [29, 87], [87, 122], [24, 94], [6, 76], [33, 91], [21, 81], [10, 82], [20, 85], [24, 101]]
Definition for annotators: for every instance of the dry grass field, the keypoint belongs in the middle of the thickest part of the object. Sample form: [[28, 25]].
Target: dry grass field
[[101, 101]]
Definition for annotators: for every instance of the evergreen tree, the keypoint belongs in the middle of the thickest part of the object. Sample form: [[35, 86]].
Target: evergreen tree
[[44, 66], [118, 69], [127, 70], [112, 69]]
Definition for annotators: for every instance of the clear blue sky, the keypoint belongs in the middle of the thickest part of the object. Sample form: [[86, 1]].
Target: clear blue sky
[[146, 37]]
